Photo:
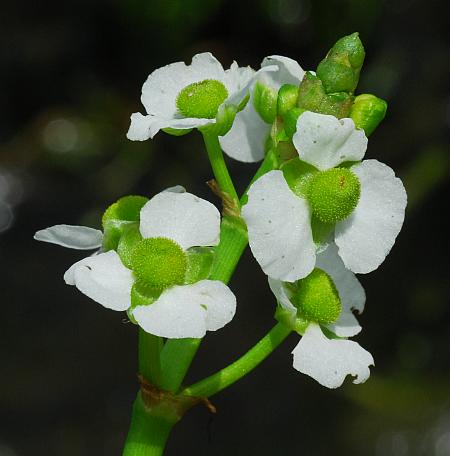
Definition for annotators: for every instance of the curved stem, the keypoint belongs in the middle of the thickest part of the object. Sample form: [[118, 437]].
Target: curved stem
[[245, 364]]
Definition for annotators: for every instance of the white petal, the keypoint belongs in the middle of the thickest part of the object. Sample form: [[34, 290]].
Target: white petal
[[367, 236], [329, 361], [104, 279], [289, 72], [350, 291], [175, 189], [145, 127], [183, 217], [279, 229], [325, 141], [282, 294], [71, 236], [188, 310], [246, 139]]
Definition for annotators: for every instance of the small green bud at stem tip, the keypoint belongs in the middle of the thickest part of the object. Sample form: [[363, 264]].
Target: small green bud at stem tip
[[339, 70], [265, 102], [287, 98], [367, 112]]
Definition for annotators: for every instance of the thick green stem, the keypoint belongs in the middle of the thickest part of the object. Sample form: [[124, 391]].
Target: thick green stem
[[149, 430], [219, 166], [149, 356], [235, 371]]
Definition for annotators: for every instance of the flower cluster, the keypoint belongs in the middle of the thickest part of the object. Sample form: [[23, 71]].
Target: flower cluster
[[316, 217]]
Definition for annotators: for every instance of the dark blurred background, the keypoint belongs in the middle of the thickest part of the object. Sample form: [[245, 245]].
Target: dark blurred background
[[71, 75]]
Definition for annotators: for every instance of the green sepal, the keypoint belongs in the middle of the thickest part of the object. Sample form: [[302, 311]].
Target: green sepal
[[141, 295], [367, 112], [118, 216], [287, 98], [265, 102], [176, 131], [312, 97], [294, 322], [339, 70], [199, 264], [290, 121], [285, 151], [321, 231], [130, 236], [298, 175], [224, 121]]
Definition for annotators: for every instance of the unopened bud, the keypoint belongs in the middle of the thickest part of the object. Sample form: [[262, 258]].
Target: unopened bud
[[265, 102], [287, 98], [367, 112]]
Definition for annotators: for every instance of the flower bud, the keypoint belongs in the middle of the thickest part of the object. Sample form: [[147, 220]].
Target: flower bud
[[312, 97], [317, 298], [339, 70], [287, 98], [367, 112], [290, 121], [265, 102]]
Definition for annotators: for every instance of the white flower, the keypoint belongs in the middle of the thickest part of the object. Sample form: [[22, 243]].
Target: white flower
[[326, 360], [245, 141], [279, 220], [181, 310], [162, 88]]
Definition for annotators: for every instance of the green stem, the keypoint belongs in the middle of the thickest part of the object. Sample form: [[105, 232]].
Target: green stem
[[245, 364], [149, 430], [219, 166], [149, 356], [177, 354]]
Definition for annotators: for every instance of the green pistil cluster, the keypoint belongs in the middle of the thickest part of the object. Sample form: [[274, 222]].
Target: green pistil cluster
[[159, 262], [333, 194], [317, 298], [202, 99]]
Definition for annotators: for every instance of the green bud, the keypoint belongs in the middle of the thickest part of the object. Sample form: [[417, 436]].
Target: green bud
[[129, 238], [312, 97], [199, 264], [339, 70], [290, 121], [317, 298], [298, 175], [333, 194], [367, 112], [159, 262], [265, 102], [118, 216], [287, 98], [202, 99]]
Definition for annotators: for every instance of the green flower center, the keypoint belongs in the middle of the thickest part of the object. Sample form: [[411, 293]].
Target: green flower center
[[317, 298], [159, 262], [202, 99], [333, 194]]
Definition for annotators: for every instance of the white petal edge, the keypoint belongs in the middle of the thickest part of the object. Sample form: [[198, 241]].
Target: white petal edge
[[279, 229], [282, 295], [71, 236], [289, 71], [183, 217], [329, 361], [145, 127], [104, 279], [350, 291], [246, 139], [188, 310], [367, 236], [325, 141]]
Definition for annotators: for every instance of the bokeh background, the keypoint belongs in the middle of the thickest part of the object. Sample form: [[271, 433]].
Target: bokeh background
[[71, 74]]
